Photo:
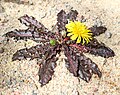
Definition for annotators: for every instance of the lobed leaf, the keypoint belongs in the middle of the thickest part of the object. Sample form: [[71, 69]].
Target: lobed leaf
[[23, 34], [97, 30], [30, 21], [32, 34], [62, 18], [36, 31], [96, 48], [48, 64], [32, 53], [80, 65], [87, 68], [72, 15], [71, 61]]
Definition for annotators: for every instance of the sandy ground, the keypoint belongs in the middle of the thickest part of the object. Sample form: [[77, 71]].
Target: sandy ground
[[20, 77]]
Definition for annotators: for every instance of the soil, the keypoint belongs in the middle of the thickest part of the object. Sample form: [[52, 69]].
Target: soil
[[20, 77]]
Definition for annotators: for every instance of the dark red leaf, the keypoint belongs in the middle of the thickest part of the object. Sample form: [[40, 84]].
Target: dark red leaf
[[33, 52], [48, 64], [87, 68], [36, 31], [96, 48], [32, 22], [32, 34], [97, 30], [46, 71], [37, 51], [72, 64], [24, 34], [80, 65], [61, 20], [72, 15]]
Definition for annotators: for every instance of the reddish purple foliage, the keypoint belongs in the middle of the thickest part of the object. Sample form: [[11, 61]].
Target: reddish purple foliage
[[76, 62]]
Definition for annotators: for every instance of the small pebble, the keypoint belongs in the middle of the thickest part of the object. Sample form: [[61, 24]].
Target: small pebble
[[23, 1], [108, 34], [43, 15], [9, 82], [68, 6], [118, 42], [1, 50], [2, 38], [33, 93], [98, 23], [31, 2], [83, 19], [78, 1], [1, 9]]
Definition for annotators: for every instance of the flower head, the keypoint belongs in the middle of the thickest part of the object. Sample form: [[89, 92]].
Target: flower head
[[78, 31]]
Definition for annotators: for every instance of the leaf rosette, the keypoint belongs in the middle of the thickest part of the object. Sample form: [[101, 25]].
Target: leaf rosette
[[73, 37]]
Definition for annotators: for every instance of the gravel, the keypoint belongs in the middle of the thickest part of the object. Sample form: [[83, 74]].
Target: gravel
[[108, 35], [24, 73], [2, 9]]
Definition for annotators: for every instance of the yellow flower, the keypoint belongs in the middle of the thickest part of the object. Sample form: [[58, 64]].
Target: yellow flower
[[78, 31]]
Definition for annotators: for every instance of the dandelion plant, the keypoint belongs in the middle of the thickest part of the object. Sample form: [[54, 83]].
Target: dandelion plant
[[72, 37]]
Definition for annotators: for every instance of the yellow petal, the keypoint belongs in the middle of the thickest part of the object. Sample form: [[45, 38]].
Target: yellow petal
[[71, 24], [87, 40], [73, 37], [78, 40], [69, 34], [83, 42]]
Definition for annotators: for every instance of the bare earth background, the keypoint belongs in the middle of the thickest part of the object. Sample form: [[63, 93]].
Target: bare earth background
[[20, 77]]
